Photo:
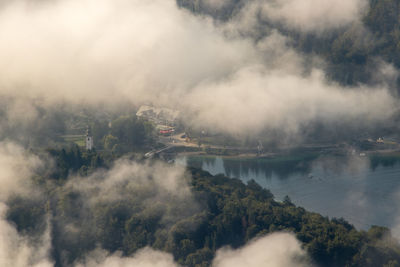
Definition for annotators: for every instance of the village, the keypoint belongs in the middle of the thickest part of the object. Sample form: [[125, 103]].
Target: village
[[172, 137], [176, 140]]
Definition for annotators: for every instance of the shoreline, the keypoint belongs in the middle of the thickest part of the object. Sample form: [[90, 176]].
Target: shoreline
[[277, 155]]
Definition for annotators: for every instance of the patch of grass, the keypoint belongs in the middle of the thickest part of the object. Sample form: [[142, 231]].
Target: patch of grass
[[77, 139]]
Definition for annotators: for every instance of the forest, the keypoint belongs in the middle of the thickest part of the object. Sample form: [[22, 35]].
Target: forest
[[92, 209]]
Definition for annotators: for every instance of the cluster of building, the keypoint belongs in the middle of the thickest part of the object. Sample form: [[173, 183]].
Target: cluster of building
[[165, 119]]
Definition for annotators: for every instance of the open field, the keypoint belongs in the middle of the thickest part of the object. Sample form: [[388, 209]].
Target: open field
[[77, 139]]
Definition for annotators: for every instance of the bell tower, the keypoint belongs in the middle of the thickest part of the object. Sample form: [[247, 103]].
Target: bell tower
[[89, 139]]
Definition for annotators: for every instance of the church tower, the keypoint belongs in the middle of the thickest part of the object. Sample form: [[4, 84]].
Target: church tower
[[89, 139]]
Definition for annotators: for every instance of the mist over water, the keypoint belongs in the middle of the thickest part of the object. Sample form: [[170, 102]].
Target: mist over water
[[363, 191]]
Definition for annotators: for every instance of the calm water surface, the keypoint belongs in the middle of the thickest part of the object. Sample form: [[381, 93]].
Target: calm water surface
[[364, 191]]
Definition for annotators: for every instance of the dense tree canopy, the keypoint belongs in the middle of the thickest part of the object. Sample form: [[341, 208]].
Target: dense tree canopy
[[226, 212]]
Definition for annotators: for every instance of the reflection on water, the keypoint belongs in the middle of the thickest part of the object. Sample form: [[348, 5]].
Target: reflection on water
[[364, 191]]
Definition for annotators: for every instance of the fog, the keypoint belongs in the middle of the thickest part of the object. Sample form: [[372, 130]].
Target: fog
[[314, 15], [274, 250], [157, 189], [146, 257], [17, 167], [150, 185], [19, 251], [107, 52]]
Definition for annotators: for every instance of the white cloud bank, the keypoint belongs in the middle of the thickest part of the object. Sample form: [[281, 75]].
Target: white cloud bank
[[16, 168], [159, 182], [150, 51], [274, 250], [17, 251], [146, 257], [314, 15]]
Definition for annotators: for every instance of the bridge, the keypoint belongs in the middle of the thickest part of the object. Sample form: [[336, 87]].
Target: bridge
[[152, 153]]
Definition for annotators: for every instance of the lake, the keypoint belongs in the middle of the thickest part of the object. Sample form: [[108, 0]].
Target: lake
[[363, 190]]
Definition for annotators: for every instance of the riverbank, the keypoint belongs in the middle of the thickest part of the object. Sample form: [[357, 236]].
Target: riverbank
[[314, 150]]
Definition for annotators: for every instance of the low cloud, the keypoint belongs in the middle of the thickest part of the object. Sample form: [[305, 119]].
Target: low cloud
[[146, 181], [149, 184], [108, 52], [16, 166], [153, 186], [260, 98], [314, 15], [216, 4], [146, 257], [274, 250], [18, 251]]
